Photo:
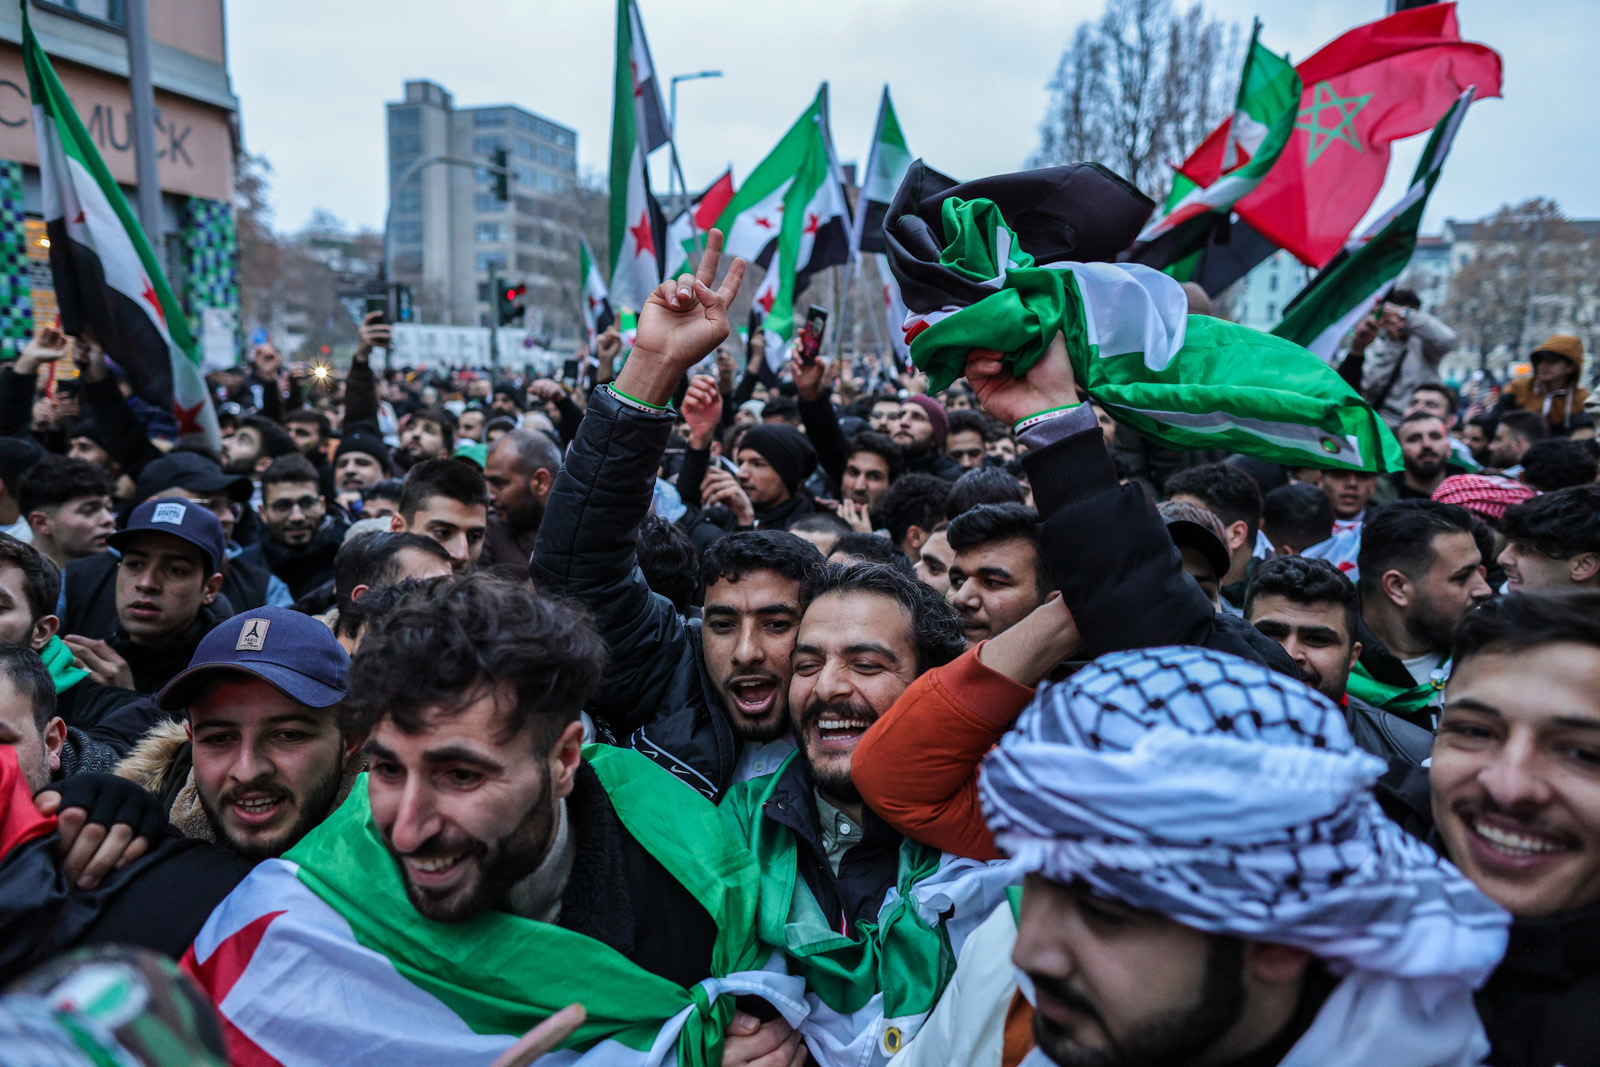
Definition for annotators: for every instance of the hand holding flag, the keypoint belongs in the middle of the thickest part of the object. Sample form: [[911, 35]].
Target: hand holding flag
[[1046, 386], [682, 323]]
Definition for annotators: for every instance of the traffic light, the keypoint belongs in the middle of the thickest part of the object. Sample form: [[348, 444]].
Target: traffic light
[[500, 175], [508, 305]]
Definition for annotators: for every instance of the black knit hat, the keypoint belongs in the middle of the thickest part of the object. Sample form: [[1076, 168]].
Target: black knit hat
[[785, 448], [368, 441]]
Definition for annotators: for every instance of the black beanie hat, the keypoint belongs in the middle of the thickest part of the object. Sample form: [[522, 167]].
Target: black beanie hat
[[785, 448], [365, 440]]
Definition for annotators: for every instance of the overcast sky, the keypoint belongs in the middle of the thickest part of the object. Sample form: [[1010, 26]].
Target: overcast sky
[[968, 80]]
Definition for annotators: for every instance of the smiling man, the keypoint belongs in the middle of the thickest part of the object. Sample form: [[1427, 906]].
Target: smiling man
[[1516, 799], [303, 536], [996, 575]]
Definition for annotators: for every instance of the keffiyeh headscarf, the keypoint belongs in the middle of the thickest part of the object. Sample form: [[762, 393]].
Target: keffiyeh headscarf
[[1232, 800]]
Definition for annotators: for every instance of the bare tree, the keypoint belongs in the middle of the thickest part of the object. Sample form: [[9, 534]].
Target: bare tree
[[1526, 276], [260, 257], [1139, 88]]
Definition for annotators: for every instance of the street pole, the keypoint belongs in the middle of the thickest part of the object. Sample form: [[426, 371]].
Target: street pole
[[494, 323], [143, 97], [676, 173]]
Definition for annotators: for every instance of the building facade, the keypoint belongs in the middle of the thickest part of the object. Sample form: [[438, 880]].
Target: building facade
[[196, 133], [448, 227]]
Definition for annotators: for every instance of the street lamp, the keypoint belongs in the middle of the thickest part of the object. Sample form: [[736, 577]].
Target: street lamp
[[672, 123]]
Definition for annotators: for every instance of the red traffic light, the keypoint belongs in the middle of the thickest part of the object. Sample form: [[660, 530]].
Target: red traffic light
[[511, 294]]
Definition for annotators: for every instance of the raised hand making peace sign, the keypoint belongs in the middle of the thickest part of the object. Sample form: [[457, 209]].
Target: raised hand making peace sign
[[683, 322]]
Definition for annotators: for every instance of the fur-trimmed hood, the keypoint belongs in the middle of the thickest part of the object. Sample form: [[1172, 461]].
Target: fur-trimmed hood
[[164, 751]]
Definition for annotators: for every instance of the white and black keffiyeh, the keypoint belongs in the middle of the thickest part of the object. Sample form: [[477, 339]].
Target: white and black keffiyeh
[[1231, 799]]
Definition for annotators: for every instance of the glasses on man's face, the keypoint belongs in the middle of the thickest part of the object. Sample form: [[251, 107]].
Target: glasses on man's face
[[285, 505]]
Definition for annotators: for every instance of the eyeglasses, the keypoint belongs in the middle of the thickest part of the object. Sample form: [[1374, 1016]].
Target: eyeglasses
[[285, 505]]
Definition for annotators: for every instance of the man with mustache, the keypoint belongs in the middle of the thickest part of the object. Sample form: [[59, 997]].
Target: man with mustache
[[303, 536], [1517, 806], [521, 468], [1425, 447], [1208, 881], [840, 885]]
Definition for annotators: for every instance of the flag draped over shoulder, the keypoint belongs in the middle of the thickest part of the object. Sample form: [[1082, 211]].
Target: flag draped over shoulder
[[107, 278], [320, 958], [1349, 286], [638, 127], [1188, 381], [1253, 138], [597, 312], [1366, 89]]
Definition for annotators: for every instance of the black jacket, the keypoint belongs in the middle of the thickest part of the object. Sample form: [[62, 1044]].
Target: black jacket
[[1108, 551], [619, 894], [303, 569], [656, 697], [107, 714], [154, 668], [244, 582], [935, 463], [1541, 1007], [89, 587]]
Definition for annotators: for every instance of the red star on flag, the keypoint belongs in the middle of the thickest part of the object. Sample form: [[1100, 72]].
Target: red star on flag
[[149, 297], [765, 300], [643, 240], [764, 222], [633, 71], [79, 219], [593, 303], [811, 223], [188, 418]]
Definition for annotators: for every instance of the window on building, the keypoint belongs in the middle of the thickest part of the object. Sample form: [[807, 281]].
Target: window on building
[[408, 263], [525, 122], [1272, 283], [1272, 310], [487, 204], [525, 205], [526, 262], [489, 232], [481, 119], [405, 145], [495, 260], [524, 175], [484, 146], [525, 233], [524, 148], [107, 11], [407, 232], [408, 201], [404, 118], [548, 156]]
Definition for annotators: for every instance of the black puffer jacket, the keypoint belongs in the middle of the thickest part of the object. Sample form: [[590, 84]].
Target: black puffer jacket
[[656, 697], [1541, 1007]]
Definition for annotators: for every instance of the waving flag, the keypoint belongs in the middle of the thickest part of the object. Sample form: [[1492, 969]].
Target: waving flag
[[887, 162], [319, 958], [597, 313], [1349, 286], [107, 279], [692, 224], [1188, 381], [1380, 82], [1253, 138], [638, 127]]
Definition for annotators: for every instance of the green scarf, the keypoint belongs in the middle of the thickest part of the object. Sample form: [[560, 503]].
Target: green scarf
[[1226, 386], [59, 661], [899, 955], [502, 973], [1412, 704]]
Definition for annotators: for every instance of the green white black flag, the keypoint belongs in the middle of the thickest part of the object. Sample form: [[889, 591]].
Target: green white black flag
[[887, 163], [1349, 286], [597, 313], [637, 128]]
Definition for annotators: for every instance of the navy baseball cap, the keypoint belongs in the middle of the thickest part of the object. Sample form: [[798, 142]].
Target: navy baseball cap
[[183, 519], [294, 653]]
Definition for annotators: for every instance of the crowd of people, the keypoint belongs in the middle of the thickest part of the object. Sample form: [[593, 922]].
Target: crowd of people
[[677, 714]]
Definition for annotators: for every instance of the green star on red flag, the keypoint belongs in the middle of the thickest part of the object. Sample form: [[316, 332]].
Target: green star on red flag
[[1323, 98]]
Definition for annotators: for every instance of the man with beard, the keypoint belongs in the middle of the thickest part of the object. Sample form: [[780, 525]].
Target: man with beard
[[1513, 436], [521, 468], [1516, 806], [253, 446], [1314, 612], [360, 461], [839, 884], [258, 758], [996, 575], [429, 433], [1421, 573], [920, 432], [1425, 448], [883, 414], [302, 536], [1209, 881], [485, 832], [708, 700]]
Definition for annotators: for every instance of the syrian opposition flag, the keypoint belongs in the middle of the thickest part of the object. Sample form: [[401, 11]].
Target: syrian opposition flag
[[107, 279], [1351, 284], [319, 958], [1191, 382], [1376, 84], [887, 162], [1252, 139], [597, 313], [688, 230], [638, 127]]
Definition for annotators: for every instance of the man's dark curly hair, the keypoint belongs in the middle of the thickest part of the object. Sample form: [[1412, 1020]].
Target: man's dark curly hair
[[455, 639], [1306, 581], [1561, 524], [731, 558], [1547, 465], [935, 624], [668, 560]]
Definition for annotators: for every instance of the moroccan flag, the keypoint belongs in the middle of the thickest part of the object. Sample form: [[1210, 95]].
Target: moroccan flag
[[1349, 286], [1376, 84], [107, 278], [319, 958], [689, 229], [597, 313], [887, 162], [1189, 381], [638, 127], [1262, 121]]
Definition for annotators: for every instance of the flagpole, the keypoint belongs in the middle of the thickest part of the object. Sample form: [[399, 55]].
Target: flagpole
[[672, 145], [143, 98]]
